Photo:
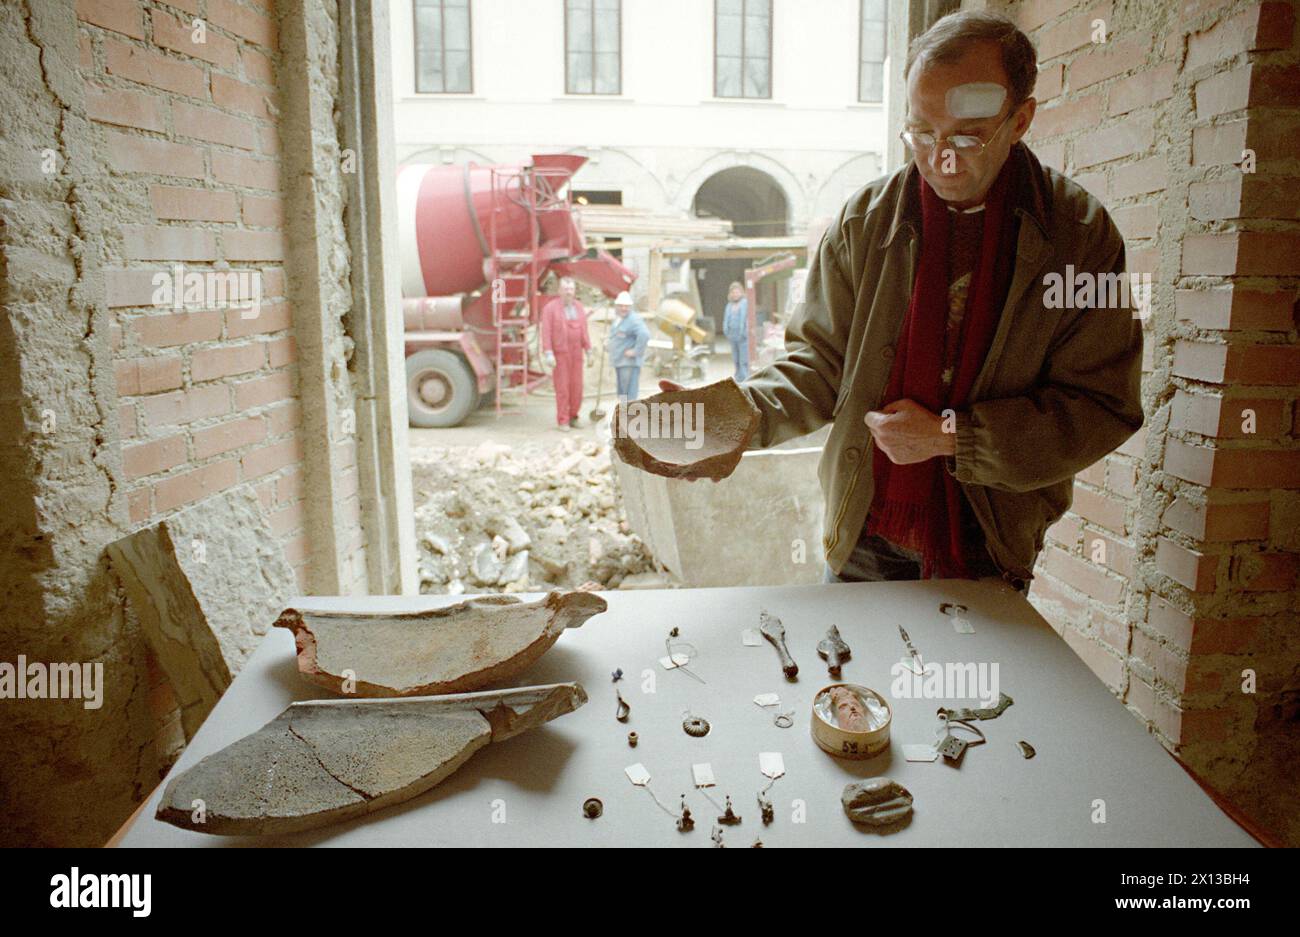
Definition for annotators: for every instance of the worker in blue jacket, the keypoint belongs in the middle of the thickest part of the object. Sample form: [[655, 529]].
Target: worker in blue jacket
[[627, 340], [735, 326]]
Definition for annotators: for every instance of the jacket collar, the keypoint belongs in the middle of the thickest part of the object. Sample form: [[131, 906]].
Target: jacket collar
[[1030, 197]]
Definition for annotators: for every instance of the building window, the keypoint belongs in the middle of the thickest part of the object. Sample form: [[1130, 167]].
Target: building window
[[442, 47], [742, 48], [871, 51], [593, 47]]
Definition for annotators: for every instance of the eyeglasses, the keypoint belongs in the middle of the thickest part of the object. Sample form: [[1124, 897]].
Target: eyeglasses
[[961, 143]]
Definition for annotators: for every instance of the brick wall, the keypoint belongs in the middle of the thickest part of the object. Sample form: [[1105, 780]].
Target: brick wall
[[1175, 571]]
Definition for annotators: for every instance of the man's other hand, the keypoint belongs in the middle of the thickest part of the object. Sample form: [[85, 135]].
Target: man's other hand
[[906, 432]]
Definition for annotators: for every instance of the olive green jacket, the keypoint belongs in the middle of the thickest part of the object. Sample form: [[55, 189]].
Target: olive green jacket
[[1059, 389]]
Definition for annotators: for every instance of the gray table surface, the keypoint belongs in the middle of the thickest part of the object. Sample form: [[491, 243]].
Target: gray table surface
[[1089, 747]]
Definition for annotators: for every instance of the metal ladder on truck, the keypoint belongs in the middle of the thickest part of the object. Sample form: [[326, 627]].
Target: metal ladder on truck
[[515, 276]]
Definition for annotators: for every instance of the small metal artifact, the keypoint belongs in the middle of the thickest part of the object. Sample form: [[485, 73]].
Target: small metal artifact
[[834, 651], [696, 726], [877, 802], [772, 629], [911, 649], [632, 739], [1026, 749], [674, 633], [784, 720], [617, 675], [758, 844], [948, 744], [685, 823], [624, 710], [592, 808], [965, 715], [716, 836], [766, 810], [729, 817], [956, 609]]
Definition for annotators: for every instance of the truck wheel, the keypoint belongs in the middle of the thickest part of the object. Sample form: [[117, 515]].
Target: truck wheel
[[440, 388]]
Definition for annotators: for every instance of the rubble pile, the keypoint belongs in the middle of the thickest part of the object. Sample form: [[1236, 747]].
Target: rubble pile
[[497, 518]]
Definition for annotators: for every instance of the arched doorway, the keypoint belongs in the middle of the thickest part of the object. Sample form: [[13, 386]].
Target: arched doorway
[[757, 206]]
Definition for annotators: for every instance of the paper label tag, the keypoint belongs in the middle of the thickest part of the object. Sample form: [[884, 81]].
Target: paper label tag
[[703, 775], [751, 638], [962, 626], [677, 660], [637, 774], [771, 764], [766, 699], [920, 753]]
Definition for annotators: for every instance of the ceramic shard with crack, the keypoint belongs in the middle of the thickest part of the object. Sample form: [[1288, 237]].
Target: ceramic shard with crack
[[325, 761], [701, 432], [456, 649]]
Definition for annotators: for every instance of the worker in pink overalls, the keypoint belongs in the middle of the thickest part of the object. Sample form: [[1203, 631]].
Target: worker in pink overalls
[[566, 345]]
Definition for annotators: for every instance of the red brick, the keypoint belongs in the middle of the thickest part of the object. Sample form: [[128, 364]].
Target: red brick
[[167, 242], [282, 351], [1109, 553], [1164, 717], [244, 171], [289, 486], [151, 458], [212, 125], [147, 67], [159, 157], [1269, 197], [1130, 136], [171, 493], [208, 364], [185, 406], [1066, 532], [1233, 468], [1238, 308], [85, 54], [1106, 665], [1214, 200], [186, 204], [139, 505], [1109, 630], [1222, 93], [1199, 635], [1082, 113], [1219, 144], [271, 317], [136, 376], [1034, 13], [1085, 577], [127, 422], [1049, 82], [1241, 253], [242, 21], [239, 96], [1072, 33], [284, 418], [1140, 177], [257, 66], [268, 459], [1167, 665], [225, 437], [1219, 521], [125, 108], [1121, 478], [1213, 415], [253, 245], [1147, 87], [288, 520], [121, 16], [1137, 222], [1265, 572], [180, 328], [1191, 568], [175, 34], [263, 212], [1099, 508], [260, 391], [1099, 62], [1262, 26]]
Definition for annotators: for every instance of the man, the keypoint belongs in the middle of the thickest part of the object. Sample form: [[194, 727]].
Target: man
[[627, 343], [735, 327], [565, 345], [963, 398]]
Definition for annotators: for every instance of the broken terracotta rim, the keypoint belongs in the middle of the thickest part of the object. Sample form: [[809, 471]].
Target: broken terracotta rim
[[843, 743]]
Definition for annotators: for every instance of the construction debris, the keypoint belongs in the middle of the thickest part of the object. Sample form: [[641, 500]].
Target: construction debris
[[497, 518], [455, 649], [326, 761]]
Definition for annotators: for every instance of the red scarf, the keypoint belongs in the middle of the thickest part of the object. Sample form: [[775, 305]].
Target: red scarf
[[918, 506]]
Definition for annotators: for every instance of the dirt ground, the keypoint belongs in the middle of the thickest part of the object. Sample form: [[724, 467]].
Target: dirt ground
[[511, 503]]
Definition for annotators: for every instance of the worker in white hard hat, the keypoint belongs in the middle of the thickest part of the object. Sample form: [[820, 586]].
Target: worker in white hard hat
[[628, 338]]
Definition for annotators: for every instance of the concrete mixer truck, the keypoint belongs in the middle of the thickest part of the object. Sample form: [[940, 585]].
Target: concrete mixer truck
[[477, 242]]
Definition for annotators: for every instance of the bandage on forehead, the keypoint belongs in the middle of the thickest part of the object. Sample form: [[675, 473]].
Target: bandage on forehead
[[975, 100]]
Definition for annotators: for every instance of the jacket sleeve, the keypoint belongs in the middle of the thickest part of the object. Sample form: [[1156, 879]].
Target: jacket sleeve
[[586, 328], [796, 394], [548, 326], [642, 339], [1088, 403]]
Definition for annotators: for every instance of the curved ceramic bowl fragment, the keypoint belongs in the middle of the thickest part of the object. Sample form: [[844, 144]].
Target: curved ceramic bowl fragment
[[700, 432]]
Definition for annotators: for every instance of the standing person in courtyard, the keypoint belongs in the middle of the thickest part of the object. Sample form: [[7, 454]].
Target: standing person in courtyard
[[735, 326], [628, 338], [566, 344]]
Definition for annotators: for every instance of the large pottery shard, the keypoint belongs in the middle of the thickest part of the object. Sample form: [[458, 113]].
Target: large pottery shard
[[326, 761], [456, 649], [700, 433]]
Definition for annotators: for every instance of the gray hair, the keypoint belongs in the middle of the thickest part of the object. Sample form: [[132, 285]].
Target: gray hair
[[950, 37]]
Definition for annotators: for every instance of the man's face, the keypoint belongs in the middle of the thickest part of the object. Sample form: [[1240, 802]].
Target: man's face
[[735, 294], [621, 311], [934, 91], [568, 291]]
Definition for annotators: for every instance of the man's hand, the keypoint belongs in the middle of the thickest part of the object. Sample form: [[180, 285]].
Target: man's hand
[[630, 353], [549, 358], [906, 432]]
